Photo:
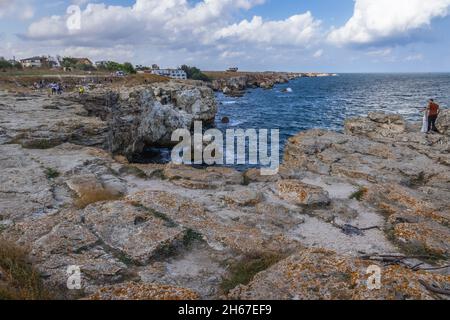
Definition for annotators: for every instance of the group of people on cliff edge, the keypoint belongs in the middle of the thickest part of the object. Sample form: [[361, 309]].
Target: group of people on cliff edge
[[431, 114]]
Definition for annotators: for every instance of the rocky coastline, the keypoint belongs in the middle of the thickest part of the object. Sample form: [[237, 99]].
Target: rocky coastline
[[377, 194], [236, 85]]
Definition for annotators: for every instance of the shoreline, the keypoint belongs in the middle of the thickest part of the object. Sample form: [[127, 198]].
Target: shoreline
[[340, 203]]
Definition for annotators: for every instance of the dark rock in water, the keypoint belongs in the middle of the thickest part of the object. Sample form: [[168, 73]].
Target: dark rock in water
[[225, 120], [236, 94]]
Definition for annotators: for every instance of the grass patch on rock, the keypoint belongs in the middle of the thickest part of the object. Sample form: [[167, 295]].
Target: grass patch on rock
[[191, 237], [18, 278], [359, 194], [42, 144], [51, 173], [414, 249], [169, 222], [243, 271]]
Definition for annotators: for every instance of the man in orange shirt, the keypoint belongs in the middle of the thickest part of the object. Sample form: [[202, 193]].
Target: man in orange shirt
[[433, 113]]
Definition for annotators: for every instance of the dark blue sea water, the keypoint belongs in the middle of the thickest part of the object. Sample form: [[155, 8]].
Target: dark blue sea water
[[326, 102]]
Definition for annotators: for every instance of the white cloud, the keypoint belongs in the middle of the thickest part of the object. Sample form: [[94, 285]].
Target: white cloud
[[151, 21], [377, 21], [318, 54], [380, 53], [176, 25], [23, 9], [298, 30], [232, 54], [414, 57], [119, 52]]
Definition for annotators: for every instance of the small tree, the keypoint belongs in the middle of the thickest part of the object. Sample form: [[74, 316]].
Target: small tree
[[69, 62], [84, 67], [128, 68], [194, 73], [5, 64]]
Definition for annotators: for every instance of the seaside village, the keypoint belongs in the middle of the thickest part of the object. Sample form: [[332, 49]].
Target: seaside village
[[69, 64]]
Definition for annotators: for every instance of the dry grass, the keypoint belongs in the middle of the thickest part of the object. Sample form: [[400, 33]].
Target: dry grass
[[18, 279], [22, 81], [138, 79], [215, 75], [359, 194], [95, 196]]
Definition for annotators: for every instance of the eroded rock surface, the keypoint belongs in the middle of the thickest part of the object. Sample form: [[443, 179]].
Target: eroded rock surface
[[139, 231], [324, 275], [123, 123]]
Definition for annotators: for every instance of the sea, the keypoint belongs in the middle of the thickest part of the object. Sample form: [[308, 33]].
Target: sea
[[325, 102]]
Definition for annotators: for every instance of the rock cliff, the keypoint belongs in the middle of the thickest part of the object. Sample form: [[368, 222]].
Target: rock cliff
[[377, 194], [121, 122], [235, 86]]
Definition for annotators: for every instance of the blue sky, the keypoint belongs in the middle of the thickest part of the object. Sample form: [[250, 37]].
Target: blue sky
[[291, 35]]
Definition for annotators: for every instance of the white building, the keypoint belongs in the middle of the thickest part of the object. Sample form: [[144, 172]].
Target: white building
[[171, 73], [34, 62]]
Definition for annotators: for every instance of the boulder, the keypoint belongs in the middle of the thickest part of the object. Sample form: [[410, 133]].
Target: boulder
[[139, 118]]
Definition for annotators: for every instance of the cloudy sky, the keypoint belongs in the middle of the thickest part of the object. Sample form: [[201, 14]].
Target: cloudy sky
[[293, 35]]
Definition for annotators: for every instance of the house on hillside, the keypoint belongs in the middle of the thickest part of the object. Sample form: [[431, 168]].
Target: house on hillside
[[41, 62], [233, 69], [84, 61], [34, 62], [171, 73]]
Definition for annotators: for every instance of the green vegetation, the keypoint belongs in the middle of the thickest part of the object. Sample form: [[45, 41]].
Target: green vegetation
[[39, 144], [359, 194], [74, 63], [414, 249], [418, 181], [51, 173], [8, 65], [195, 73], [169, 222], [112, 66], [190, 237], [243, 271], [19, 280], [143, 68]]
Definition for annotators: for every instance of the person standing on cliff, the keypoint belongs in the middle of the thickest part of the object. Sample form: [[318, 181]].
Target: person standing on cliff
[[433, 113]]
